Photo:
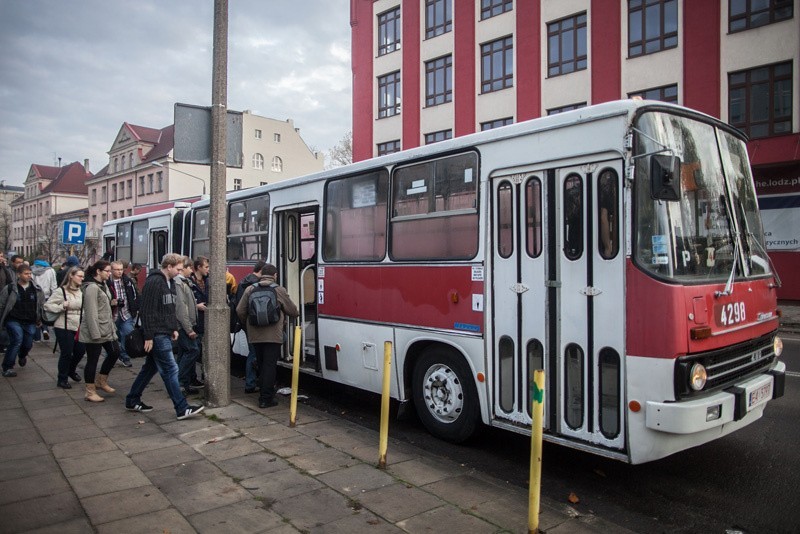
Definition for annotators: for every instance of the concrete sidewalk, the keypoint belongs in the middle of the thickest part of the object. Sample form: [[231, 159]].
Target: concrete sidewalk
[[67, 465]]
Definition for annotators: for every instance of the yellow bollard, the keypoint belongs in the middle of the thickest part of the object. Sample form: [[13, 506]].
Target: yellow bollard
[[295, 377], [387, 375], [535, 482]]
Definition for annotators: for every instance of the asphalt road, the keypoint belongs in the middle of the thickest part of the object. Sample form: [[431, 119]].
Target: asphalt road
[[747, 482]]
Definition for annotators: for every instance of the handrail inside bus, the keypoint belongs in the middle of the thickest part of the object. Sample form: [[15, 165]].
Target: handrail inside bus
[[303, 312]]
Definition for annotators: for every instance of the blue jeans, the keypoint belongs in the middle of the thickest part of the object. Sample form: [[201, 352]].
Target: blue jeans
[[123, 329], [20, 342], [159, 360], [250, 375], [189, 354]]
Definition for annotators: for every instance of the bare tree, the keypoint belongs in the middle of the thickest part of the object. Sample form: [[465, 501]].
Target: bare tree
[[5, 230], [342, 153]]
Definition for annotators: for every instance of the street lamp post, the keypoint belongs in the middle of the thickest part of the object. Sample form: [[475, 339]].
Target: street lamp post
[[157, 164]]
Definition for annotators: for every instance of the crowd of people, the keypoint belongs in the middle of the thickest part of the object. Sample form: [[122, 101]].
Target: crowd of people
[[92, 312]]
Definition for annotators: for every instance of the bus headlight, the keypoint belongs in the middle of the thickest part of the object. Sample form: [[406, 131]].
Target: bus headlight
[[777, 346], [697, 377]]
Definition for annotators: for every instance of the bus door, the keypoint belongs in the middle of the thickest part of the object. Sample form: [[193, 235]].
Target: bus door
[[297, 271], [519, 293], [586, 294], [558, 299], [159, 240]]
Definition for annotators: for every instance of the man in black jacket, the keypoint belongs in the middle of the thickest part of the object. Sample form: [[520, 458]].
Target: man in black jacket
[[251, 375], [21, 314], [125, 305], [160, 327]]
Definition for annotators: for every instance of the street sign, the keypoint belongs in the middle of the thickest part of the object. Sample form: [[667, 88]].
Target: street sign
[[74, 233], [193, 136]]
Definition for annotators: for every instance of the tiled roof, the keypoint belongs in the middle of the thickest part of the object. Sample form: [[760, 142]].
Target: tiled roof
[[143, 133], [70, 179], [45, 171], [165, 144]]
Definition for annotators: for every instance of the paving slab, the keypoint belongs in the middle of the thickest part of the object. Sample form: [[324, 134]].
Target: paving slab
[[252, 465], [360, 521], [204, 496], [188, 425], [108, 481], [466, 491], [15, 452], [270, 432], [293, 446], [422, 471], [323, 461], [455, 519], [19, 435], [280, 485], [228, 448], [356, 479], [243, 517], [164, 521], [158, 458], [49, 510], [185, 474], [28, 467], [83, 447], [149, 443], [398, 501], [54, 412], [72, 526], [73, 433], [92, 463], [22, 489], [125, 503], [67, 421], [131, 430], [208, 434], [315, 508]]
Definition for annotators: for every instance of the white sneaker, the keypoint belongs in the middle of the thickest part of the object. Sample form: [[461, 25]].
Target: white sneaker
[[191, 411]]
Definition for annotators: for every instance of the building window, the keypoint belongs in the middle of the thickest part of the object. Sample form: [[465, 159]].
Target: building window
[[276, 138], [149, 184], [160, 180], [113, 192], [116, 164], [141, 185], [438, 17], [237, 184], [497, 65], [130, 212], [439, 81], [388, 147], [652, 26], [566, 45], [435, 137], [562, 109], [760, 100], [103, 195], [258, 134], [497, 123], [113, 215], [130, 161], [389, 31], [667, 93], [47, 208], [747, 14], [103, 218], [258, 161], [130, 188], [277, 164], [94, 197], [389, 95], [491, 8]]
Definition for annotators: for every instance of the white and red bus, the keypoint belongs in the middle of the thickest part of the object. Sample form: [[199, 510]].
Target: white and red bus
[[618, 247]]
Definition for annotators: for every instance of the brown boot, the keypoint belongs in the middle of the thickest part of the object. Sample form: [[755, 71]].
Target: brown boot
[[91, 394], [101, 381]]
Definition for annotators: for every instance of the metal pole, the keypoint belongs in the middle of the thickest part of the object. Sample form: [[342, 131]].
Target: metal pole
[[383, 442], [535, 480], [216, 352], [295, 375]]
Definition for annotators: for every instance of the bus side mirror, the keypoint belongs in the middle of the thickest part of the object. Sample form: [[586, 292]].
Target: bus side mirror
[[665, 174]]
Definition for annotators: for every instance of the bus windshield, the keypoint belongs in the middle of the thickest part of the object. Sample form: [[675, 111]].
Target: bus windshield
[[714, 228]]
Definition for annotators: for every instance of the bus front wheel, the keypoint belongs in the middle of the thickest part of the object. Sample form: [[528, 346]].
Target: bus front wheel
[[445, 396]]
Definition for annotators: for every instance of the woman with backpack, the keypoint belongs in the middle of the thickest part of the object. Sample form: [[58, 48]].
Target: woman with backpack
[[98, 330], [67, 302], [264, 322]]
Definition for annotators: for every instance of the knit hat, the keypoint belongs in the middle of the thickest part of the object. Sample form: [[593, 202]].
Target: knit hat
[[72, 261]]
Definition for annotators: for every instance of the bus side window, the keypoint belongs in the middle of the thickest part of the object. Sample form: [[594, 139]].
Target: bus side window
[[607, 213], [573, 217]]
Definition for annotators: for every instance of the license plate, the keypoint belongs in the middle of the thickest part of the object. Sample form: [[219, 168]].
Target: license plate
[[760, 395]]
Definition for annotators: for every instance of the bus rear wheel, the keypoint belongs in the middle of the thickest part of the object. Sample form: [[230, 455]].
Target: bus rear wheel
[[445, 396]]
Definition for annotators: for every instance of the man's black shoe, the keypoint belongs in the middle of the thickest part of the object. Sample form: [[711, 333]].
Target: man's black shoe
[[197, 383], [75, 376], [250, 390], [191, 411], [190, 391], [23, 361], [64, 384], [139, 407], [267, 403]]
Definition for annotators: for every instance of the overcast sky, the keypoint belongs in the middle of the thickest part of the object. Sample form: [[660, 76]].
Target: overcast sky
[[72, 71]]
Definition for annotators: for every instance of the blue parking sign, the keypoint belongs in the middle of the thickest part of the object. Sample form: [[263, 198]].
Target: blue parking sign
[[74, 233]]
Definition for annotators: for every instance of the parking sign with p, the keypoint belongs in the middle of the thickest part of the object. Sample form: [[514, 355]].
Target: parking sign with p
[[74, 233]]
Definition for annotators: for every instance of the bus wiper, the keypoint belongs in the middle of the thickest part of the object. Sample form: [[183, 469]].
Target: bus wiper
[[769, 260], [729, 284]]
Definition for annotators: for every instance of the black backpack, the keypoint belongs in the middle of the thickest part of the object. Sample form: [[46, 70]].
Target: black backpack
[[263, 308]]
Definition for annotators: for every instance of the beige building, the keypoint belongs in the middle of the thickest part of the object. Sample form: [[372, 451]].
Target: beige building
[[8, 193], [48, 192], [141, 169]]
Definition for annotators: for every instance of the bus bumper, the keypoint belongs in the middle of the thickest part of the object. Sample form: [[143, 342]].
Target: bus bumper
[[731, 404]]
